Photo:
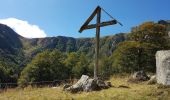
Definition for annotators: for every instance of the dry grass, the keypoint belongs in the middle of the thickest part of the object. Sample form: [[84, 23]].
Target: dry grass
[[140, 91]]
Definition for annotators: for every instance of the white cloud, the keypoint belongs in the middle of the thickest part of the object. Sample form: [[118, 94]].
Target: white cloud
[[23, 28]]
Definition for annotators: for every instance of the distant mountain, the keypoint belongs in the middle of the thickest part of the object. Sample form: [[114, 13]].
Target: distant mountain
[[9, 39], [19, 50], [69, 44], [10, 47]]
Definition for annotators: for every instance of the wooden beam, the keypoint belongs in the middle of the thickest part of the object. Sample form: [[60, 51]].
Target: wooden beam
[[89, 19], [101, 25], [96, 67]]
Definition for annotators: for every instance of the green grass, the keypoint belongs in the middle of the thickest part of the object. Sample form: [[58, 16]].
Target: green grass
[[140, 91]]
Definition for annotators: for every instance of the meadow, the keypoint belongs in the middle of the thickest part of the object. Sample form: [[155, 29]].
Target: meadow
[[121, 90]]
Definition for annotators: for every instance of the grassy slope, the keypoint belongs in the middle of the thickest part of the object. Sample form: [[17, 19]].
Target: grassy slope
[[140, 91]]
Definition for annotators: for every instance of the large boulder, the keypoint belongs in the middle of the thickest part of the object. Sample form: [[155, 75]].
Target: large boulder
[[163, 67], [87, 84], [79, 85]]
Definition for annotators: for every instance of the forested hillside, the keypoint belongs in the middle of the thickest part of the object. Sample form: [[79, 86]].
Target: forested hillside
[[16, 51], [25, 60]]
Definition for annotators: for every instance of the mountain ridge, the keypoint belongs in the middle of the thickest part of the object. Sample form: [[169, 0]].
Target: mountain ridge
[[20, 50]]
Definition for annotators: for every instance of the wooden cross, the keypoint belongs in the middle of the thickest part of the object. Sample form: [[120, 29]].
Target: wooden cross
[[99, 24]]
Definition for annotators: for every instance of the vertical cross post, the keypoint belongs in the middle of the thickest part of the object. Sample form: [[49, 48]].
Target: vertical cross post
[[96, 67]]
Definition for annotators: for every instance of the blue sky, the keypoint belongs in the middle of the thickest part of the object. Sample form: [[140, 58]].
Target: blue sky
[[65, 17]]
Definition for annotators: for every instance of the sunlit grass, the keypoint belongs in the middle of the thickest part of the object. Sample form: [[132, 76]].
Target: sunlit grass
[[140, 91]]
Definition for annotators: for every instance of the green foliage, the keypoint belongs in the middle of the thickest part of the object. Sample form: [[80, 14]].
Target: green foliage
[[70, 45], [52, 65], [125, 57], [105, 68], [7, 73], [3, 75], [138, 53], [81, 66], [61, 44], [46, 66], [70, 62], [132, 56], [150, 32]]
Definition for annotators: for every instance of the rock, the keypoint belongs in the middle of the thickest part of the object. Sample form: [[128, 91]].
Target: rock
[[102, 84], [152, 80], [139, 76], [79, 85], [91, 85], [87, 84], [163, 67]]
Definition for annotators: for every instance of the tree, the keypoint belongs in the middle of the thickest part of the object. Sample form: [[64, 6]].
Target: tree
[[132, 56], [70, 62], [81, 66], [3, 75], [138, 53], [105, 68], [125, 57], [152, 37], [150, 32], [7, 73], [46, 66]]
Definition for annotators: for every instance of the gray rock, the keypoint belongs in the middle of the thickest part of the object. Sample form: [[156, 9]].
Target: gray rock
[[140, 76], [169, 33], [102, 84], [163, 67], [79, 85], [86, 84], [90, 85]]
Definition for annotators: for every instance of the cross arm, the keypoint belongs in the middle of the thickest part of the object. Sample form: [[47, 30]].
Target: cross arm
[[101, 25], [91, 17]]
